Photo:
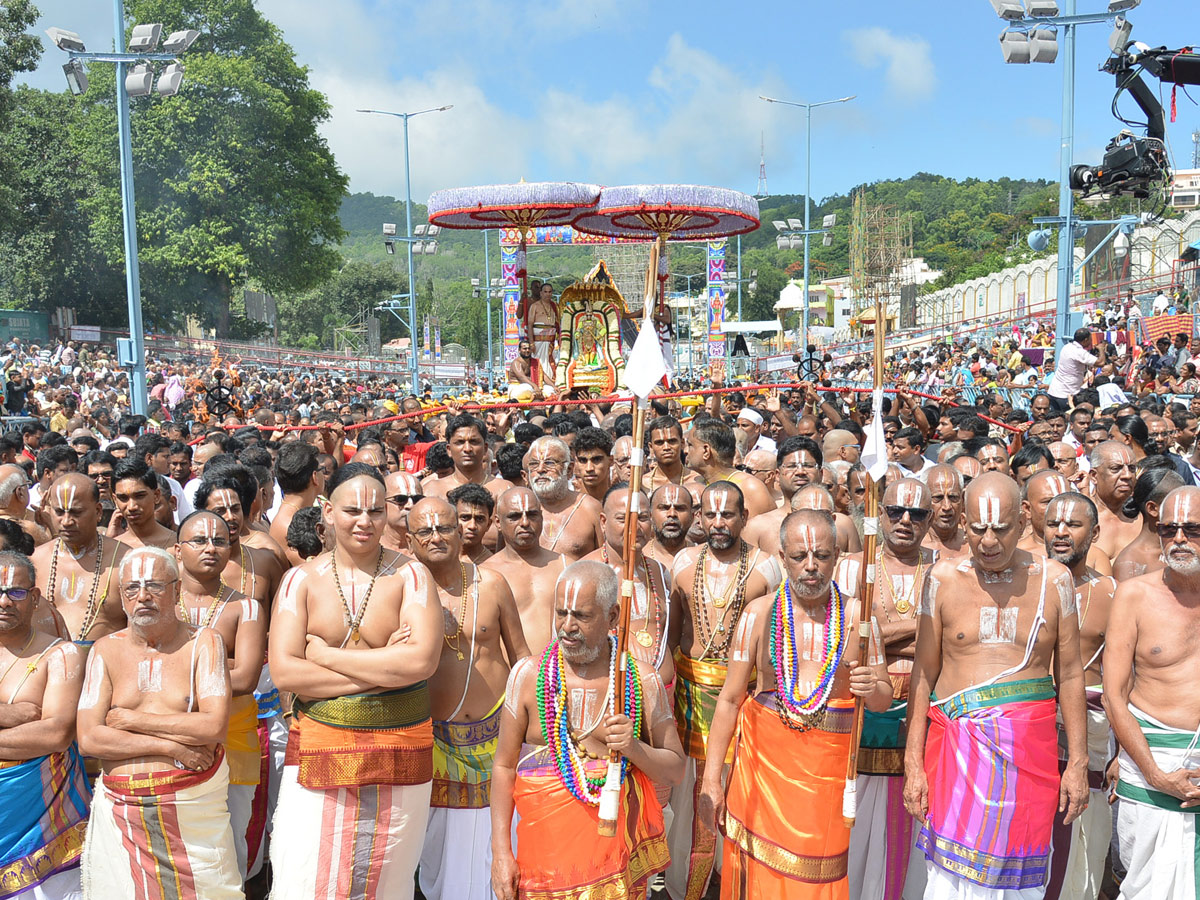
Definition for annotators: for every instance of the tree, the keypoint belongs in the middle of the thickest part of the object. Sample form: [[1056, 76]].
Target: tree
[[309, 318], [19, 52], [234, 183]]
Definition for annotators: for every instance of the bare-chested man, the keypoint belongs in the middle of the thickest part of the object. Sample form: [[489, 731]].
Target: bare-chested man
[[251, 571], [543, 331], [670, 521], [14, 503], [76, 571], [154, 710], [571, 518], [713, 581], [1144, 553], [817, 496], [710, 451], [136, 494], [991, 629], [592, 452], [882, 839], [403, 493], [622, 451], [1039, 490], [474, 506], [1077, 864], [799, 464], [41, 775], [206, 602], [521, 383], [529, 568], [354, 635], [1113, 473], [302, 481], [666, 450], [946, 534], [1151, 668], [466, 441], [481, 631], [650, 609]]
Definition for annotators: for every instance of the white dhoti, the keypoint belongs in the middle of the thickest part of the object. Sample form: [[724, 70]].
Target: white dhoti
[[456, 862], [240, 802], [161, 835], [270, 714], [347, 842], [941, 885], [1159, 842], [877, 840], [543, 352]]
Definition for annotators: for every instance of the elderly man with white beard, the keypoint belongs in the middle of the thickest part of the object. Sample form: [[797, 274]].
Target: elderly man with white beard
[[571, 518], [1151, 667]]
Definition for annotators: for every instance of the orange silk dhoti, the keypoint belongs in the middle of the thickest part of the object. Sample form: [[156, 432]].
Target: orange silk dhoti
[[784, 834], [560, 854]]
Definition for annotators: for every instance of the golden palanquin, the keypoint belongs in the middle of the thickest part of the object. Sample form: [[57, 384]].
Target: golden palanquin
[[589, 355]]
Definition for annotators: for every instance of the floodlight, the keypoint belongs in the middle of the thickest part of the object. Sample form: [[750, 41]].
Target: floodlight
[[1008, 9], [432, 230], [1043, 45], [390, 248], [779, 224], [179, 41], [1122, 5], [430, 248], [76, 77], [420, 229], [144, 38], [829, 221], [418, 247], [389, 227], [795, 224], [782, 243], [1042, 9], [1039, 240], [65, 40], [138, 81], [474, 282], [1015, 46], [827, 240], [796, 242], [170, 80], [1122, 28]]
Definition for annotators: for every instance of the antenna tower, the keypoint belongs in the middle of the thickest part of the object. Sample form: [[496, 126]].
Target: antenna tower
[[761, 193]]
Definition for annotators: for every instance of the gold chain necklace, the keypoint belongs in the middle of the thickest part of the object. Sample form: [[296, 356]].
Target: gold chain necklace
[[354, 620], [206, 620], [462, 616], [904, 604]]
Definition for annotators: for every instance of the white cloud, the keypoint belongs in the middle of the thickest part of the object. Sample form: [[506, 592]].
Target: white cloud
[[910, 72]]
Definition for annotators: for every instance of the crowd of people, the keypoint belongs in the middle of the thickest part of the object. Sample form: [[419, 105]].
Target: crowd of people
[[276, 637]]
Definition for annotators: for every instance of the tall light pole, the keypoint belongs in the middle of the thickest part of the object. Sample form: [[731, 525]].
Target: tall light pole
[[487, 280], [143, 44], [408, 235], [691, 338], [808, 108]]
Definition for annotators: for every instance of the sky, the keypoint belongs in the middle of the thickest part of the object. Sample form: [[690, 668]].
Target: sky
[[621, 92]]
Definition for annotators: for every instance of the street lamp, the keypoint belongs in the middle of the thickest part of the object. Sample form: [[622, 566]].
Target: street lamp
[[1031, 36], [131, 82], [417, 245], [791, 236], [491, 286], [808, 108], [408, 233]]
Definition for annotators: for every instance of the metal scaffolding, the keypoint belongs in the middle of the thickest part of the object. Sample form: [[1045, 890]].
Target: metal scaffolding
[[880, 247]]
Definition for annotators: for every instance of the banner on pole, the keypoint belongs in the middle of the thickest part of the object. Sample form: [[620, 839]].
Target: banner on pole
[[715, 297], [512, 300], [425, 352], [437, 340]]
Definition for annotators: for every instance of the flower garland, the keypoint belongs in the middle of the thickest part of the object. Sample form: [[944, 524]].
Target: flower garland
[[569, 757], [786, 662]]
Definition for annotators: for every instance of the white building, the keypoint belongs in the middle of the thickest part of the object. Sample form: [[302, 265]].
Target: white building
[[1185, 188]]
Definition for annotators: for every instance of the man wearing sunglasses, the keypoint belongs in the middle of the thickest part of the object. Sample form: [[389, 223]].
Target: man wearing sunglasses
[[154, 710], [205, 601], [991, 630], [882, 839], [1150, 662], [41, 773], [402, 492]]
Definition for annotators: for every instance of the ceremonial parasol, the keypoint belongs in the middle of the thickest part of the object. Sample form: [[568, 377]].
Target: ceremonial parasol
[[524, 206], [660, 212]]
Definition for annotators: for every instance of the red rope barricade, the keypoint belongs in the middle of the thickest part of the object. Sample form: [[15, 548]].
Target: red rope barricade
[[612, 399]]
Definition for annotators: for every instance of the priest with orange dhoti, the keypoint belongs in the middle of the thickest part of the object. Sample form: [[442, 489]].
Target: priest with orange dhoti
[[785, 838], [559, 722]]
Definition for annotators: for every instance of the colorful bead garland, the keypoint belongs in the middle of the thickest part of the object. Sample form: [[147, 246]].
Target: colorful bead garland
[[569, 759], [785, 653]]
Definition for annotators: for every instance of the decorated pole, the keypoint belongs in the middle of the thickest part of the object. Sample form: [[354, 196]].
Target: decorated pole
[[643, 371], [875, 460]]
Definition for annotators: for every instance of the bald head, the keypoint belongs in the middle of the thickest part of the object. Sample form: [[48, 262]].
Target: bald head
[[840, 444], [808, 539], [1065, 459], [813, 496], [943, 477], [1045, 481], [1180, 512], [907, 492]]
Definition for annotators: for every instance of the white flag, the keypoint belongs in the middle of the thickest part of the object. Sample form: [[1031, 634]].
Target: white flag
[[645, 368], [874, 456]]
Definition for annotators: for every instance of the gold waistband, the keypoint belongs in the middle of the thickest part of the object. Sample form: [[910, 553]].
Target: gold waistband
[[393, 709], [709, 672]]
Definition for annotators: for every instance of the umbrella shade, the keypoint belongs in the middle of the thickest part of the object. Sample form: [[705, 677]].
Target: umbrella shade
[[522, 205], [680, 211]]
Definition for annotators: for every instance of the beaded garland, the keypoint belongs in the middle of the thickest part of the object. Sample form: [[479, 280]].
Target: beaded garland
[[795, 712], [569, 757]]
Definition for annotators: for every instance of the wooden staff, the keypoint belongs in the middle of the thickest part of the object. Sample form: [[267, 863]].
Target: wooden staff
[[866, 586], [610, 796]]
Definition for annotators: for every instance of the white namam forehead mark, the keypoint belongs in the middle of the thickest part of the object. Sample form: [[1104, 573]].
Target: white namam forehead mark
[[66, 495], [1057, 484], [718, 501], [524, 502], [989, 510], [908, 494], [1183, 507], [10, 573], [140, 568], [571, 595], [807, 538], [226, 498], [672, 494], [208, 527]]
